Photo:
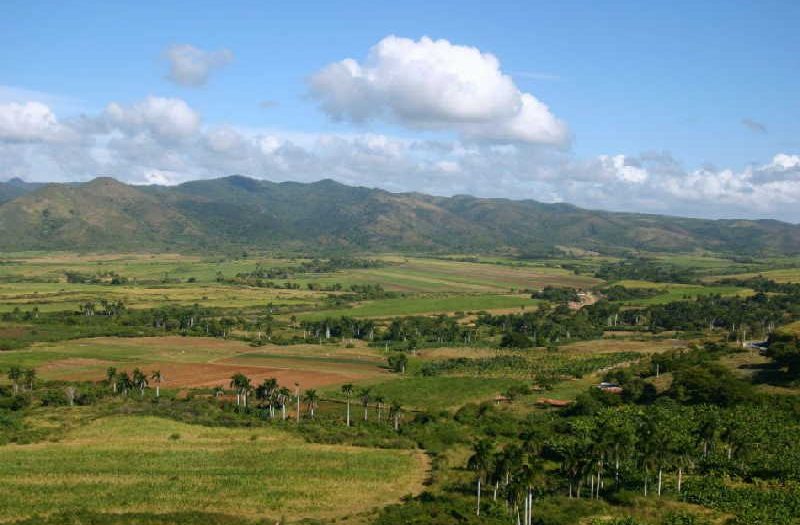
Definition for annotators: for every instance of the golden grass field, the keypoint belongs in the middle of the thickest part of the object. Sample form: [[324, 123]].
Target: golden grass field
[[124, 464]]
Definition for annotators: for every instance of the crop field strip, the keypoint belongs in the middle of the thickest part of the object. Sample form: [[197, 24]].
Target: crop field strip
[[429, 304], [68, 297], [677, 291], [784, 275], [492, 276]]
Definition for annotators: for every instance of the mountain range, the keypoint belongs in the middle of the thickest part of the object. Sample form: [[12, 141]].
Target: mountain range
[[105, 214]]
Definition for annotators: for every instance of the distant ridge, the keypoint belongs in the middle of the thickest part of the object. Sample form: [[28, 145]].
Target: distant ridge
[[105, 214], [16, 187]]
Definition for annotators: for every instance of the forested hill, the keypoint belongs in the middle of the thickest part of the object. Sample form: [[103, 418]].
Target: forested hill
[[105, 214]]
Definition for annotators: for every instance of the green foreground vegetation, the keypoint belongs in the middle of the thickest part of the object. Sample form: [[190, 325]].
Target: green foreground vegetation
[[154, 465], [260, 388]]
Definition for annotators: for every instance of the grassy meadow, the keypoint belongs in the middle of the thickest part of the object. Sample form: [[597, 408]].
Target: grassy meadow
[[678, 292], [439, 393], [155, 466]]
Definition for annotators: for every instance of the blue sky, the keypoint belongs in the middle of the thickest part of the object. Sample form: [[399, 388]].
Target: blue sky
[[653, 97]]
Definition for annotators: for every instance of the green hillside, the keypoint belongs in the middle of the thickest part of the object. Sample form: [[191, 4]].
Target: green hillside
[[237, 211]]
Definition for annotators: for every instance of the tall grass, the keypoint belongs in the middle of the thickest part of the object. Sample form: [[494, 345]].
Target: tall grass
[[151, 465]]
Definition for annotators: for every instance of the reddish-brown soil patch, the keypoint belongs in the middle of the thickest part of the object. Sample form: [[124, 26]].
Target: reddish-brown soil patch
[[198, 375], [70, 364], [15, 331]]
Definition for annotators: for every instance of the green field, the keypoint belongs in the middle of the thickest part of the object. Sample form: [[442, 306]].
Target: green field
[[427, 305], [679, 292], [439, 393], [139, 266], [156, 466]]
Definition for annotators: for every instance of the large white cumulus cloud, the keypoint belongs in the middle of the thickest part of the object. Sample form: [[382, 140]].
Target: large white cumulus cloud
[[166, 117], [438, 85], [31, 122]]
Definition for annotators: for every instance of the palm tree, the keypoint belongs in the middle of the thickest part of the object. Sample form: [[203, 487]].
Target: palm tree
[[71, 392], [139, 380], [123, 383], [311, 399], [284, 395], [577, 463], [394, 413], [480, 462], [15, 374], [364, 394], [219, 390], [526, 477], [503, 462], [379, 401], [267, 391], [598, 451], [516, 494], [246, 388], [708, 430], [347, 390], [649, 449], [30, 377], [297, 396], [234, 384], [666, 458], [111, 374], [621, 436], [730, 434], [241, 384], [157, 378]]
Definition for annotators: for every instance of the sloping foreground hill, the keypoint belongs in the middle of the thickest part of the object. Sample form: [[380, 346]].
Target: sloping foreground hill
[[109, 215]]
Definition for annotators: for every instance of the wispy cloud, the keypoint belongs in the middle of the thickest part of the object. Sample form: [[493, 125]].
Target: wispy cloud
[[754, 125]]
